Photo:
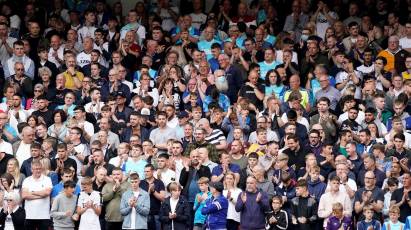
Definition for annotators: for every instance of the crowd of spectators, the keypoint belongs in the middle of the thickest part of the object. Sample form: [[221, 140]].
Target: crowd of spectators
[[205, 114]]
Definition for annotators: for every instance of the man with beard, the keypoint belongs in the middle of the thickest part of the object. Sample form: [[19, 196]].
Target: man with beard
[[295, 153], [351, 123], [19, 56], [253, 90], [43, 111]]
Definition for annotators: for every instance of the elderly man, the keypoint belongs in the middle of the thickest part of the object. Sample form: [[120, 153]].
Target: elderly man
[[395, 55], [21, 149], [233, 76], [114, 86]]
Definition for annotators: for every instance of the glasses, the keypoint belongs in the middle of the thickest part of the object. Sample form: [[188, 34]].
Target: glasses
[[19, 69], [38, 90], [86, 81]]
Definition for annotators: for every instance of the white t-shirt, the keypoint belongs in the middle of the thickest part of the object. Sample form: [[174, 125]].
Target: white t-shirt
[[322, 23], [38, 208], [6, 147], [134, 212], [405, 43], [60, 55], [198, 20], [89, 219], [83, 59], [4, 55], [232, 214], [23, 152]]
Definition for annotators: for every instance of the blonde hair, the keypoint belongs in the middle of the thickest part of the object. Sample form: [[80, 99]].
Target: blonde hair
[[225, 183], [337, 206], [16, 173], [203, 180], [173, 186], [394, 209]]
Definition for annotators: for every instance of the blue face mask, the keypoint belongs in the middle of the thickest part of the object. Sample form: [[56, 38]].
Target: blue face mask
[[221, 79], [304, 37]]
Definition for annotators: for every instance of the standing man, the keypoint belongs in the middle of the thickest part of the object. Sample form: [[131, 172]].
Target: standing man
[[36, 191], [253, 205], [156, 189], [111, 195], [135, 205]]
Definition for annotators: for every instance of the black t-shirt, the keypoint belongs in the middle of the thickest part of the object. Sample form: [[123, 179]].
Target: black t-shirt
[[47, 116], [155, 204], [405, 209], [248, 92]]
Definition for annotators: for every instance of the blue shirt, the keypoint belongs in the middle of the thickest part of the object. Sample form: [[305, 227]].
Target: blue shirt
[[265, 67], [205, 46], [152, 73], [60, 187], [137, 167], [218, 170], [223, 102], [239, 42], [199, 218], [193, 32]]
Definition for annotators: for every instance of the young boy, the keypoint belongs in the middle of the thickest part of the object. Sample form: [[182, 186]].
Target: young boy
[[315, 186], [278, 218], [304, 207], [64, 206], [337, 220], [175, 210], [392, 184], [88, 206], [135, 162], [196, 114], [393, 223], [201, 197], [368, 222]]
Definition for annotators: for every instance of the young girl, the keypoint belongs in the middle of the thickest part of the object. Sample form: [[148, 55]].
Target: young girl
[[277, 219], [175, 211], [393, 223], [338, 221], [231, 192]]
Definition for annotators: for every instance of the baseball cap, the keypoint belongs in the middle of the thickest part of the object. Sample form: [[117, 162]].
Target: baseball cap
[[182, 114]]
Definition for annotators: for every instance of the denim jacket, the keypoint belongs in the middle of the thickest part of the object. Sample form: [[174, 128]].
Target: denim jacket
[[142, 209]]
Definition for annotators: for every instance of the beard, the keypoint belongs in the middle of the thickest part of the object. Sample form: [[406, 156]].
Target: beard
[[222, 86]]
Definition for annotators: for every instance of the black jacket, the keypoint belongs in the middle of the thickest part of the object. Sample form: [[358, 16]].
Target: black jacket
[[282, 220], [17, 218], [181, 222], [186, 177]]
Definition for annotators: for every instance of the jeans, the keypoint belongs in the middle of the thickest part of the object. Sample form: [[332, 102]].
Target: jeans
[[153, 222]]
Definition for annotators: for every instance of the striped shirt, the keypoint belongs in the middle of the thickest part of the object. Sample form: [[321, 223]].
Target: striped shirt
[[215, 137]]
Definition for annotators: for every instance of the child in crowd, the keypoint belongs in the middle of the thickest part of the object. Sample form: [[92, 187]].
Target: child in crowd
[[393, 223], [337, 220], [368, 222], [175, 210], [278, 218], [88, 206], [136, 162], [64, 206], [392, 184], [201, 197], [315, 186]]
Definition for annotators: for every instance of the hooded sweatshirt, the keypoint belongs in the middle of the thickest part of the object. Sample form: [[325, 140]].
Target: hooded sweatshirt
[[316, 188]]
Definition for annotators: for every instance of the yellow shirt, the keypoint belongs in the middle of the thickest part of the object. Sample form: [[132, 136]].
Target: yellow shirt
[[254, 148], [305, 98], [405, 75], [70, 79]]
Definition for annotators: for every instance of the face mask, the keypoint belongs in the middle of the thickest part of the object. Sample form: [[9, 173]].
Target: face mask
[[304, 37], [221, 79]]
